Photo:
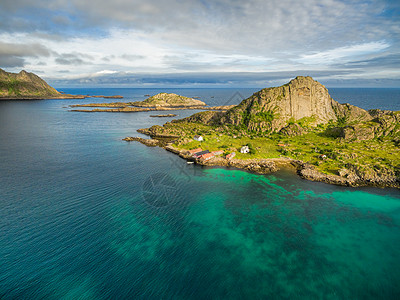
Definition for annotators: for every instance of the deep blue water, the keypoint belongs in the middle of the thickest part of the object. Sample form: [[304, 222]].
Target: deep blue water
[[366, 98], [84, 215]]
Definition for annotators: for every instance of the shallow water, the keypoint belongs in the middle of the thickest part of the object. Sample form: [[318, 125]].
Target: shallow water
[[86, 215]]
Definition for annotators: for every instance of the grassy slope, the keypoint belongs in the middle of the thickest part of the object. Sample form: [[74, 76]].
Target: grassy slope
[[24, 84], [377, 154]]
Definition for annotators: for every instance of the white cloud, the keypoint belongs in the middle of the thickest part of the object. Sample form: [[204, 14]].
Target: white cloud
[[343, 54], [198, 35]]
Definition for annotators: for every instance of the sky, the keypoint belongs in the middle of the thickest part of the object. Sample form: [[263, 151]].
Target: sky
[[202, 43]]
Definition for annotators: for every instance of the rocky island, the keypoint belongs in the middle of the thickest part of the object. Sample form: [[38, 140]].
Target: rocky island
[[169, 100], [296, 125], [158, 102], [163, 116]]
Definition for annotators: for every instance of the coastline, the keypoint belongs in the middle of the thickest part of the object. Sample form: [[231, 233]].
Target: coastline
[[61, 96], [271, 165], [121, 107], [64, 96]]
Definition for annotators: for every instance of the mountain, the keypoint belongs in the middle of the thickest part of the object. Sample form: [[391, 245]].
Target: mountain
[[169, 100], [297, 124], [298, 107], [302, 100], [25, 85]]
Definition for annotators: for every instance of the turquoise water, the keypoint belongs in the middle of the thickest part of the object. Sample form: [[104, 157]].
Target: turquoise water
[[84, 215]]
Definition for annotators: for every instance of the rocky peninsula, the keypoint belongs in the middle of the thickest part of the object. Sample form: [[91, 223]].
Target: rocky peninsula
[[297, 125]]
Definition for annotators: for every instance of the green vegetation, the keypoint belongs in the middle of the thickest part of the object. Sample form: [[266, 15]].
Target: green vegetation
[[169, 99], [327, 153], [256, 122], [11, 86], [354, 143], [24, 84], [306, 122]]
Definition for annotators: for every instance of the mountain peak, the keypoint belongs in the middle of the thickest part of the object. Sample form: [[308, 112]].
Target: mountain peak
[[24, 85], [301, 100]]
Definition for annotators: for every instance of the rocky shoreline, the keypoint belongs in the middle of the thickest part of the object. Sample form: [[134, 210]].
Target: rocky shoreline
[[121, 107], [351, 177], [128, 109], [163, 116], [61, 97]]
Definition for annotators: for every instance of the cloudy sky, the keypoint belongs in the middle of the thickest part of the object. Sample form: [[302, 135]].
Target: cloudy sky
[[202, 42]]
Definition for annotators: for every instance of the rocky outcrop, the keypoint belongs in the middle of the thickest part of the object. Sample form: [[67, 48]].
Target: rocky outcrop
[[269, 110], [163, 116], [353, 175], [147, 142], [384, 123], [157, 131], [204, 117], [292, 130], [169, 100]]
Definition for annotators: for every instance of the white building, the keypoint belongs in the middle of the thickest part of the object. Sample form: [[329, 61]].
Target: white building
[[198, 138], [245, 149]]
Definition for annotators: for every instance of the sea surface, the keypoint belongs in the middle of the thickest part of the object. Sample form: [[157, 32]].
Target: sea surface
[[85, 215]]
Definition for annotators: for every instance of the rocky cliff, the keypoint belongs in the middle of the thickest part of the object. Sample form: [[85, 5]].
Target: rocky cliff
[[302, 100], [383, 123], [25, 85]]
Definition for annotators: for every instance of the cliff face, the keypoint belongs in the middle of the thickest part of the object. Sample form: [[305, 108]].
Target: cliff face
[[272, 108], [384, 123], [24, 85], [302, 98]]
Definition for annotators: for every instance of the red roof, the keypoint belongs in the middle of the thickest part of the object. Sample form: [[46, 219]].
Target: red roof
[[230, 155], [195, 150], [207, 156], [219, 152]]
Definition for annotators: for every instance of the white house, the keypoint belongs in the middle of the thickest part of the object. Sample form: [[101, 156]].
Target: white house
[[245, 149], [198, 138]]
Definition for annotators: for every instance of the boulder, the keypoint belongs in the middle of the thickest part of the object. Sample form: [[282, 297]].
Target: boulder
[[292, 130]]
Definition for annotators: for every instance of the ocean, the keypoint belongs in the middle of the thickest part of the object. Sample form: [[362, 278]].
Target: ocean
[[85, 215]]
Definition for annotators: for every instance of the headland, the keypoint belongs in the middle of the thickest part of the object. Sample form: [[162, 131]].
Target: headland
[[297, 125]]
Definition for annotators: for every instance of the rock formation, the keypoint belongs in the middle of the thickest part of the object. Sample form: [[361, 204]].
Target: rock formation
[[169, 100], [383, 123], [269, 110]]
